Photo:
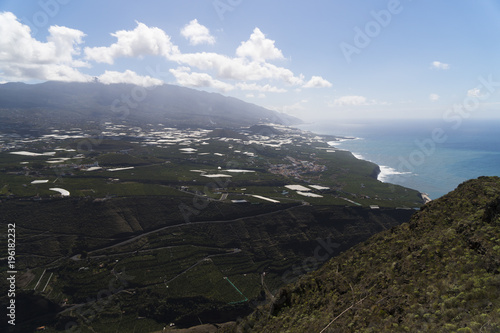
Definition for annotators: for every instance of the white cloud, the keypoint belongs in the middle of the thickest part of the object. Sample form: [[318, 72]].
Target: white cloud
[[439, 65], [475, 92], [250, 65], [259, 48], [139, 42], [61, 57], [294, 108], [317, 82], [256, 87], [350, 100], [434, 97], [240, 68], [353, 100], [48, 72], [128, 76], [197, 33], [24, 58], [185, 78], [237, 68], [17, 45]]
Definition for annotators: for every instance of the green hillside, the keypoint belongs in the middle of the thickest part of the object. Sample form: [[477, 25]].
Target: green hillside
[[139, 258], [437, 273]]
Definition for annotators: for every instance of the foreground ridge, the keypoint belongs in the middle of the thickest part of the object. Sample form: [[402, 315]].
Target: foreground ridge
[[439, 272]]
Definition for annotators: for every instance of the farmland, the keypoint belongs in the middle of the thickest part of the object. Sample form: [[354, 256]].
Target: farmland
[[161, 224]]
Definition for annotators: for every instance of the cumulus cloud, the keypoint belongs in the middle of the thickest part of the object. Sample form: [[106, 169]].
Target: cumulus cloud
[[439, 65], [141, 41], [62, 56], [47, 72], [259, 48], [434, 97], [197, 33], [128, 76], [24, 58], [237, 68], [353, 100], [317, 82], [185, 77], [256, 87], [249, 65]]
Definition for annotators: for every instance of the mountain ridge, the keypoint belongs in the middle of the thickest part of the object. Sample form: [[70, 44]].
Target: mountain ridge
[[168, 104], [439, 272]]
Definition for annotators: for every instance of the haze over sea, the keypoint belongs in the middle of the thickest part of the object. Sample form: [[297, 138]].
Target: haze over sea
[[432, 156]]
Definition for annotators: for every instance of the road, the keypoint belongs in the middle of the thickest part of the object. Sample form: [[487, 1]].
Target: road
[[133, 239], [199, 262]]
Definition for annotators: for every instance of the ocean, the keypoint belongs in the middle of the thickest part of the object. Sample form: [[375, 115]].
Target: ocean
[[431, 156]]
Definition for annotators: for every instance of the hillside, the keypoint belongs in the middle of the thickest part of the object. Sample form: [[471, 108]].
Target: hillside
[[437, 273], [178, 272], [61, 103]]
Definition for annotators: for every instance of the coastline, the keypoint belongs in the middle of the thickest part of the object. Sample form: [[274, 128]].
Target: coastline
[[380, 172], [470, 151]]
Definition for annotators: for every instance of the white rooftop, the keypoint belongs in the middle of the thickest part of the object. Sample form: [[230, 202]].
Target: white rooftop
[[297, 188]]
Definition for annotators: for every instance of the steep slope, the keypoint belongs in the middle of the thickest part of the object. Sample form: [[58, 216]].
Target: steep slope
[[437, 273], [62, 103], [149, 240]]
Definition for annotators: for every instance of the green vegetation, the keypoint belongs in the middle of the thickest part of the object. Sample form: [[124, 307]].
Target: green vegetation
[[438, 273], [169, 270], [153, 170], [146, 239]]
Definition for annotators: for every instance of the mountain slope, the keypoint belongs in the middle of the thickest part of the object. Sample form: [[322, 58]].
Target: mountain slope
[[61, 102], [438, 273], [149, 240]]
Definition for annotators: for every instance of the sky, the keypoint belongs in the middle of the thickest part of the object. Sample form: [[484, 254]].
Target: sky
[[316, 60]]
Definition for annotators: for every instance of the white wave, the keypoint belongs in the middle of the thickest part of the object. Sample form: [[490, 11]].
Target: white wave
[[358, 156], [386, 172], [344, 139]]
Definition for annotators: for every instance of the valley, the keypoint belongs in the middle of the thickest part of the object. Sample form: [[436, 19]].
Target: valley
[[157, 225]]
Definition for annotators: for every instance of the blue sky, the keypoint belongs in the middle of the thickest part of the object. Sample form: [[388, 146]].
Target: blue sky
[[321, 59]]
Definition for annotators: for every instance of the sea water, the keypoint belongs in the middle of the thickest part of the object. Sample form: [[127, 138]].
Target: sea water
[[431, 156]]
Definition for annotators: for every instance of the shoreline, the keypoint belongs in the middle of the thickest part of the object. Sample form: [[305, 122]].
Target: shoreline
[[380, 172]]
